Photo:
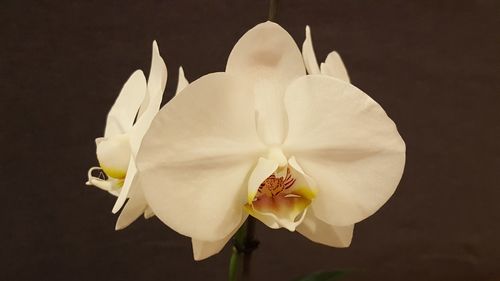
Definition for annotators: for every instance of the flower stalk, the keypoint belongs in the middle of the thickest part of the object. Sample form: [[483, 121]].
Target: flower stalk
[[273, 10], [243, 245]]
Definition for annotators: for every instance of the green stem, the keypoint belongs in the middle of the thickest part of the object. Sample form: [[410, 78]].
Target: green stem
[[243, 245], [273, 10], [234, 263]]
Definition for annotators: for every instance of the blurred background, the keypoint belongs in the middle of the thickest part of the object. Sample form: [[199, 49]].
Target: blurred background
[[432, 65]]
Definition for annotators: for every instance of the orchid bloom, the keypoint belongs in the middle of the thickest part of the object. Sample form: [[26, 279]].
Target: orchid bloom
[[116, 151], [310, 153], [333, 65]]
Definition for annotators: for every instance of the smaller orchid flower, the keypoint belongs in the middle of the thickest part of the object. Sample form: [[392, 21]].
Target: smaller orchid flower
[[333, 65], [137, 204], [116, 151]]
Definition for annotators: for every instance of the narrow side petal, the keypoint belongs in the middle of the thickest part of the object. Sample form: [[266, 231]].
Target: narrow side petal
[[334, 66], [320, 232], [182, 82], [308, 54], [122, 114], [129, 178], [157, 81], [156, 86], [266, 51], [134, 208], [346, 142], [197, 155]]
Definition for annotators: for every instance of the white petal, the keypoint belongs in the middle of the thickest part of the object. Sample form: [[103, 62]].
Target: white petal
[[131, 171], [197, 155], [123, 112], [156, 85], [206, 249], [346, 142], [333, 66], [266, 51], [157, 81], [260, 173], [309, 55], [182, 82], [272, 123], [320, 232], [134, 208]]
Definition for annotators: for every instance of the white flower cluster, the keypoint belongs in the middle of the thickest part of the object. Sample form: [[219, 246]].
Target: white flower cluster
[[276, 136]]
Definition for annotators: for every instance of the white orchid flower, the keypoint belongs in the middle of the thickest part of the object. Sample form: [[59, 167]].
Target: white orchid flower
[[116, 151], [136, 205], [310, 153]]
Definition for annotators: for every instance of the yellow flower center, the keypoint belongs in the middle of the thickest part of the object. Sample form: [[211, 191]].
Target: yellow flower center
[[281, 199]]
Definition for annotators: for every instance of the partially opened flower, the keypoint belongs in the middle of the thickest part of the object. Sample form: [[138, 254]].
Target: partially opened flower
[[136, 205], [127, 122], [333, 65], [310, 153]]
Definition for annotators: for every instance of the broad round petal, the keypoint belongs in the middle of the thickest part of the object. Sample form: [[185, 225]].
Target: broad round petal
[[334, 66], [308, 54], [266, 51], [122, 114], [206, 249], [197, 155], [320, 232], [346, 142]]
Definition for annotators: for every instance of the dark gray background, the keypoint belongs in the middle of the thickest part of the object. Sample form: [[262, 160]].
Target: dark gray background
[[433, 65]]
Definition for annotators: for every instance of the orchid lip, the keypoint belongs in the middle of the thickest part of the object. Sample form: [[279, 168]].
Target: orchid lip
[[109, 184], [113, 154], [281, 199]]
